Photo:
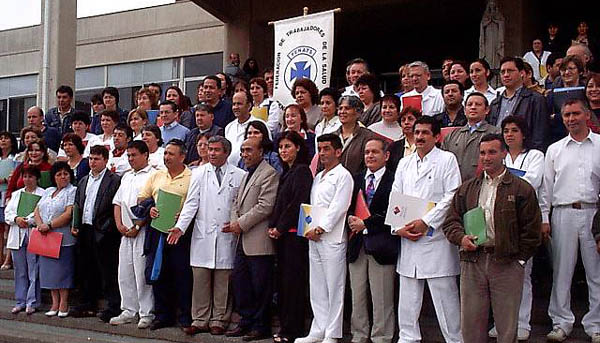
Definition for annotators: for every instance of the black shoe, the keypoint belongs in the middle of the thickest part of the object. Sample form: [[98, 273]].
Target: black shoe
[[82, 312], [106, 315], [157, 324]]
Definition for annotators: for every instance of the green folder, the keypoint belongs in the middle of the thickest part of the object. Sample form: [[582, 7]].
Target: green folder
[[27, 203], [76, 217], [168, 205], [44, 180], [474, 222]]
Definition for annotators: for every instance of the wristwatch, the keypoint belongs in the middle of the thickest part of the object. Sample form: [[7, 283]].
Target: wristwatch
[[50, 225], [136, 227]]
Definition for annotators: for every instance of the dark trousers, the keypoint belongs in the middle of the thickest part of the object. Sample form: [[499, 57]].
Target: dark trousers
[[173, 289], [98, 266], [253, 290], [292, 279]]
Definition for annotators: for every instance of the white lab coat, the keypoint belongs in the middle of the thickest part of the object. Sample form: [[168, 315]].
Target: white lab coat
[[432, 255], [16, 235], [211, 204]]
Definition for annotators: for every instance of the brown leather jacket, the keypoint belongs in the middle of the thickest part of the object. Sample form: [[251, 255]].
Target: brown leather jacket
[[517, 218]]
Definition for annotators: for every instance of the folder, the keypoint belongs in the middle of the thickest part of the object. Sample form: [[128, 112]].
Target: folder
[[45, 244], [152, 115], [168, 205], [44, 180], [314, 165], [414, 101], [445, 131], [362, 209], [308, 218], [403, 209], [474, 223], [76, 216], [260, 113], [516, 172], [27, 203]]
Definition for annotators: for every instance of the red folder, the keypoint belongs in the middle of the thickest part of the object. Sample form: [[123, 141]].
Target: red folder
[[314, 164], [362, 210], [446, 131], [45, 244], [414, 101]]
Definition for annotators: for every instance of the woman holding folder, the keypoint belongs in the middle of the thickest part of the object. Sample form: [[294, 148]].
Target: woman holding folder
[[292, 250], [53, 214], [18, 214]]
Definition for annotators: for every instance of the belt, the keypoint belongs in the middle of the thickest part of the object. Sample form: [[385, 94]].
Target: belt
[[579, 205]]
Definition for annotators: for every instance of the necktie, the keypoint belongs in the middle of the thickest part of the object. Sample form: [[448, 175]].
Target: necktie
[[219, 176], [370, 188]]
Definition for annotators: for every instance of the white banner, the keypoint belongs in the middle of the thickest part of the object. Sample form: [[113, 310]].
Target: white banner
[[303, 49]]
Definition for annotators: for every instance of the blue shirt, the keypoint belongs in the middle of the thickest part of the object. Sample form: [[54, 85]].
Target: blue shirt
[[223, 113], [173, 130]]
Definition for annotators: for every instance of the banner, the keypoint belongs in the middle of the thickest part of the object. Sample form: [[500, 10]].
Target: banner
[[303, 49]]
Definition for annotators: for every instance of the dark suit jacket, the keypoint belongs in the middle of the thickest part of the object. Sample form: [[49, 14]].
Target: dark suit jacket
[[396, 150], [104, 220], [532, 106], [190, 141], [378, 242], [294, 189]]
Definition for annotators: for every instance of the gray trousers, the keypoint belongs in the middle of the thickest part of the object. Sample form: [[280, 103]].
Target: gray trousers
[[488, 282], [211, 302]]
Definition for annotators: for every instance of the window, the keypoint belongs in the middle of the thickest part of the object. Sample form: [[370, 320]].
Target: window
[[202, 65], [3, 116], [17, 109]]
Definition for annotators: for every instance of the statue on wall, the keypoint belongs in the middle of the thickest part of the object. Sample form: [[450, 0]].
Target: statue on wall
[[491, 35]]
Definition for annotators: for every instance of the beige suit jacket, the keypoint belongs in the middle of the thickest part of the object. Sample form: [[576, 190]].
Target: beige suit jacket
[[253, 206]]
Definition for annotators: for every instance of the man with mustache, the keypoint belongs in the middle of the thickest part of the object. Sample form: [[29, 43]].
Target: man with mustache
[[426, 255]]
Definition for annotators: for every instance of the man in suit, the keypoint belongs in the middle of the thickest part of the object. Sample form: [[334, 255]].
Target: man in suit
[[98, 236], [204, 124], [253, 266], [433, 175], [372, 251]]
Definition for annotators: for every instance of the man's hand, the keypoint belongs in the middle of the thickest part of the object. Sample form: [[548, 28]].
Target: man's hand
[[232, 228], [174, 234], [356, 224], [154, 212], [409, 232], [546, 231], [123, 229], [21, 222], [132, 232], [273, 233], [468, 243], [313, 235], [74, 231], [43, 228], [418, 225]]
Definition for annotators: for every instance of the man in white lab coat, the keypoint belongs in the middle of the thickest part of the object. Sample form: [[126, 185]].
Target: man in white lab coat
[[213, 187], [136, 295], [331, 189], [426, 255]]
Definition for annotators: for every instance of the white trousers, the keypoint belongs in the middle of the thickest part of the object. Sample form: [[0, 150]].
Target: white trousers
[[526, 298], [327, 275], [136, 295], [444, 293], [571, 229]]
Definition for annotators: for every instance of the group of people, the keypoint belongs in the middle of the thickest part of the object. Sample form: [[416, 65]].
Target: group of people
[[242, 166]]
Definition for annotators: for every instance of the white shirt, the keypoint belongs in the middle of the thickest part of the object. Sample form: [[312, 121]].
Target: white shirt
[[208, 205], [349, 90], [532, 163], [91, 192], [99, 140], [537, 64], [16, 235], [157, 158], [571, 173], [378, 175], [436, 179], [86, 140], [333, 190], [392, 131], [490, 94], [126, 196], [119, 165], [234, 132], [327, 126], [433, 102], [275, 114]]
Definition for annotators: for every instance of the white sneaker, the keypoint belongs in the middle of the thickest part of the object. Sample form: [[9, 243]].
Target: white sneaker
[[330, 340], [308, 339], [522, 335], [493, 333], [123, 318], [144, 323], [596, 337], [557, 335]]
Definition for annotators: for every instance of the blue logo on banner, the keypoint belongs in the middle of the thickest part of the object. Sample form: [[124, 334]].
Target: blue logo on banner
[[301, 65]]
